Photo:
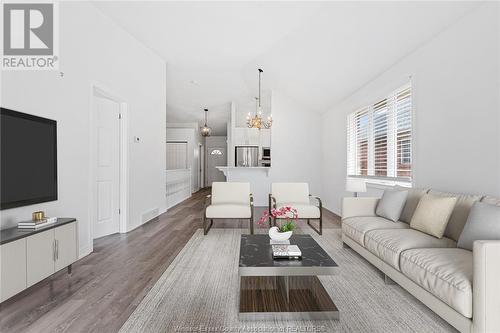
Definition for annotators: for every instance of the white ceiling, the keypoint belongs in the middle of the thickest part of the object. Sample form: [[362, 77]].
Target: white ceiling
[[317, 52]]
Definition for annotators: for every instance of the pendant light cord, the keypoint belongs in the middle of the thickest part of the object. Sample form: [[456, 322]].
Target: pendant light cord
[[260, 71]]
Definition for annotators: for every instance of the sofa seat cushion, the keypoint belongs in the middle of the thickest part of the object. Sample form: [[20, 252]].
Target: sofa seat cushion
[[387, 244], [228, 211], [446, 273], [357, 227], [304, 211]]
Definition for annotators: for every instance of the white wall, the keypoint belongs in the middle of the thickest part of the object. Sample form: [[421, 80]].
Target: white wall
[[456, 90], [296, 143], [93, 49]]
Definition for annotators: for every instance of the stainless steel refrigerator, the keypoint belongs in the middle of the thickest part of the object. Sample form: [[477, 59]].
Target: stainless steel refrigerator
[[246, 156]]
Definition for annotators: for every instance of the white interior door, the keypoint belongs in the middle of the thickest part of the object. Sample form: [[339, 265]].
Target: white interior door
[[107, 167], [216, 156]]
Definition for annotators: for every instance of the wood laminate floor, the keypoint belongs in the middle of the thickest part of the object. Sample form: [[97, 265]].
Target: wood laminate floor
[[107, 285]]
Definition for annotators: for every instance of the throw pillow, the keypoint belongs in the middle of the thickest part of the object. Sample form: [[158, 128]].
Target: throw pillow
[[432, 214], [391, 204], [483, 224], [414, 195]]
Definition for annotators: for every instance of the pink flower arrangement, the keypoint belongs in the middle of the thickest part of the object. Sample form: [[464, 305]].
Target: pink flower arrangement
[[286, 213]]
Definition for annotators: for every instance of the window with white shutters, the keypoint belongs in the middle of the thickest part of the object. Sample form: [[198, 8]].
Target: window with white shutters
[[177, 155], [379, 138]]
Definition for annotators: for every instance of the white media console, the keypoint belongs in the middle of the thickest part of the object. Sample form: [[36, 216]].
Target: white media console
[[29, 256]]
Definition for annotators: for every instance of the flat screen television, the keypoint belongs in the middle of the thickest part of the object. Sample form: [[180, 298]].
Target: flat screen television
[[28, 159]]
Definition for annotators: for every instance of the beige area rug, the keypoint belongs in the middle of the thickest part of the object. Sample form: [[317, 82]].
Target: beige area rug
[[199, 293]]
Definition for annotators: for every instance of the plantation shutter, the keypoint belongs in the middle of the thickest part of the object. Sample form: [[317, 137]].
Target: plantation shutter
[[379, 138], [177, 155], [404, 133]]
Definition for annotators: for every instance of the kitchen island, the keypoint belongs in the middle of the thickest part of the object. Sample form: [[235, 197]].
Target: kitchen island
[[258, 177]]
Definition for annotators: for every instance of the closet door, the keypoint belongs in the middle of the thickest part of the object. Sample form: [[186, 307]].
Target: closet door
[[40, 249]]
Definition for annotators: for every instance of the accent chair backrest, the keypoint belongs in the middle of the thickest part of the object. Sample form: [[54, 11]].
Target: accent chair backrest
[[290, 192], [230, 193]]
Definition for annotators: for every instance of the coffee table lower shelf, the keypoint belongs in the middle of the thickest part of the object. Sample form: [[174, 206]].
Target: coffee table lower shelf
[[285, 298]]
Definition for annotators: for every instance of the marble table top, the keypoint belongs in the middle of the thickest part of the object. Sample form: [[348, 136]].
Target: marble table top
[[256, 258]]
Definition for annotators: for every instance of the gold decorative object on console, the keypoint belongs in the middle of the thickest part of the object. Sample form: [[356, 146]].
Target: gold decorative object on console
[[38, 216]]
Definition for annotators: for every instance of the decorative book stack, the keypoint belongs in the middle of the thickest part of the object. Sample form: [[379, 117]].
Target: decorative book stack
[[286, 252], [37, 224]]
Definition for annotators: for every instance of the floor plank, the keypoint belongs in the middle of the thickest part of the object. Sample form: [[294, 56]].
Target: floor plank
[[107, 285]]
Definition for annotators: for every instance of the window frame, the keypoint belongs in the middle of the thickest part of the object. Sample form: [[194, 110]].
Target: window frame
[[396, 152]]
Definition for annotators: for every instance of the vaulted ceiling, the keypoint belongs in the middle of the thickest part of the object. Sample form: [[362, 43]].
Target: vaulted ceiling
[[317, 52]]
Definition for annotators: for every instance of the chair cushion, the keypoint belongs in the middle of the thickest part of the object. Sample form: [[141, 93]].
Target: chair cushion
[[391, 204], [432, 214], [446, 273], [356, 227], [228, 211], [230, 193], [414, 195], [387, 244], [460, 212], [290, 192], [304, 211], [483, 224]]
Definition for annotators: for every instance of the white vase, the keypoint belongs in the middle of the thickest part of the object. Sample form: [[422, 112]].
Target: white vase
[[275, 235]]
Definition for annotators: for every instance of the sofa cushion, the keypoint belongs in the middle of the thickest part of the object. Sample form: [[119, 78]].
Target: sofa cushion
[[391, 204], [387, 244], [491, 200], [304, 211], [357, 227], [483, 224], [414, 195], [228, 211], [432, 214], [460, 212], [446, 273]]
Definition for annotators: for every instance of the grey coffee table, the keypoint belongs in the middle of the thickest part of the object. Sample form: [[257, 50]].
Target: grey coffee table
[[284, 289]]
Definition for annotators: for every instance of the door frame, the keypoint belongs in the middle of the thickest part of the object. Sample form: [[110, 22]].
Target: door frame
[[99, 90], [201, 166]]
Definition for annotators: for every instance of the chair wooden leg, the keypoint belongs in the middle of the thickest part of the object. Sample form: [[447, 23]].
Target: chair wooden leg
[[251, 226], [320, 230], [205, 228], [204, 224]]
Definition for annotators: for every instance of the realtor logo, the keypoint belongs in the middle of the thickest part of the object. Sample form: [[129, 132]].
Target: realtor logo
[[29, 36]]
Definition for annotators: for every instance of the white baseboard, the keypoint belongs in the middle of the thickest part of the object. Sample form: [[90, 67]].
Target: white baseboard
[[84, 251]]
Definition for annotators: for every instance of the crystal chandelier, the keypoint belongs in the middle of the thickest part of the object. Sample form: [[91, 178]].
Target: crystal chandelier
[[257, 121], [205, 130]]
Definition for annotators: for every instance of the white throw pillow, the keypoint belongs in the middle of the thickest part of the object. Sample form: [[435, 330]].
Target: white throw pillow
[[432, 214], [391, 204]]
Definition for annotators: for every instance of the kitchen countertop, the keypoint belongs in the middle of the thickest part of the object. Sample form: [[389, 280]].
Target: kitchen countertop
[[226, 169]]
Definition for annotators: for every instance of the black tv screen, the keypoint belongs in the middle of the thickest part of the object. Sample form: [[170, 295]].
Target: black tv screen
[[28, 159]]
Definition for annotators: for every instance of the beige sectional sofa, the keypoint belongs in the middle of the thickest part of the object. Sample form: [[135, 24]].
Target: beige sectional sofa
[[461, 286]]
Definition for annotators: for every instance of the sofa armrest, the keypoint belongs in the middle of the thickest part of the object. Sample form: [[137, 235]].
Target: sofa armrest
[[486, 286], [358, 206]]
